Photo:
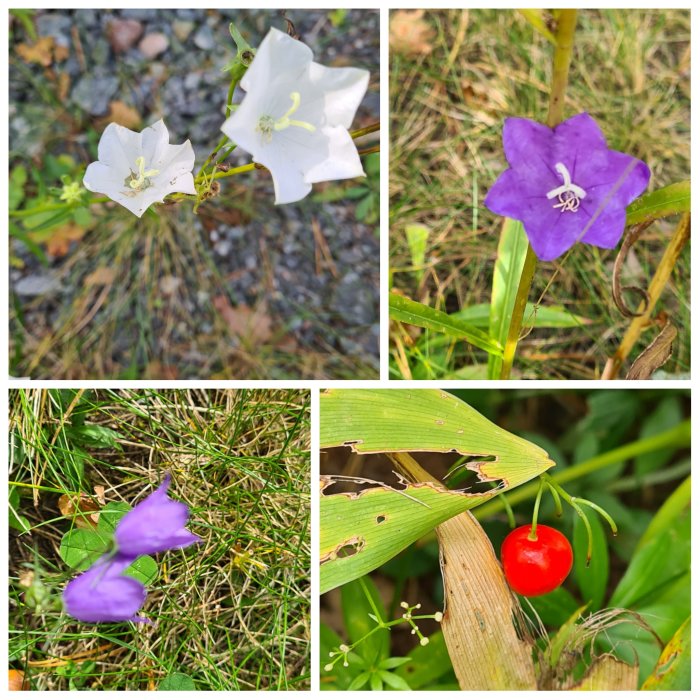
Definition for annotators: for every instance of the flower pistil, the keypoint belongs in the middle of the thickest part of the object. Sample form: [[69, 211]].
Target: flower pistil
[[267, 124], [140, 181], [569, 196]]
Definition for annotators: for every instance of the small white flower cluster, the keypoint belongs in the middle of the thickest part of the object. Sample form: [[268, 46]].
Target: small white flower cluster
[[294, 120]]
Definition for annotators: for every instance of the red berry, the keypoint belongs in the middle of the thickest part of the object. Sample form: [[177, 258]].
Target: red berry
[[536, 567]]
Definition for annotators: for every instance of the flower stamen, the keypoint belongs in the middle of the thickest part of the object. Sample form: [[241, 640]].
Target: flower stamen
[[140, 181], [267, 124], [569, 196]]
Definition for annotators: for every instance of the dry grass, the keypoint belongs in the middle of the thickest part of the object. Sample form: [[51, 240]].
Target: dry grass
[[232, 613], [631, 72]]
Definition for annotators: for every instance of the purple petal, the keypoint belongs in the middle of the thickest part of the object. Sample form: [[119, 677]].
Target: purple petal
[[156, 524], [525, 141], [552, 232], [102, 594], [606, 230], [514, 195]]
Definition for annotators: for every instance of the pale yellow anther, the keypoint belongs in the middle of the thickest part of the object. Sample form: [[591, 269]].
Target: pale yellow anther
[[139, 181]]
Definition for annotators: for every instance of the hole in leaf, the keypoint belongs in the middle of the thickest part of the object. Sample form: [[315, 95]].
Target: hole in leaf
[[381, 519]]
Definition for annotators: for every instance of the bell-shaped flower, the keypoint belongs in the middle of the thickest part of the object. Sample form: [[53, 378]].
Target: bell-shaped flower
[[565, 185], [137, 169], [103, 594], [295, 117], [155, 524]]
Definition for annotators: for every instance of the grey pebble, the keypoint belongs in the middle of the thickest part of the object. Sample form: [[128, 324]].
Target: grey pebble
[[37, 284], [93, 92], [204, 38]]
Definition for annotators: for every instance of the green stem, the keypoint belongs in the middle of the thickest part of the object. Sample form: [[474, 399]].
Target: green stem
[[366, 130], [677, 437], [560, 77], [59, 206], [536, 511]]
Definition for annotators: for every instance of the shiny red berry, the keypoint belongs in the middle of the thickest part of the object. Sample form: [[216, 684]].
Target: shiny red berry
[[536, 567]]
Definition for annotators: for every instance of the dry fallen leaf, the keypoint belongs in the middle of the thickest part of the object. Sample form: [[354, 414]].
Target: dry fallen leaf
[[252, 325], [102, 276], [82, 508], [409, 33], [157, 370], [41, 51], [120, 113], [100, 494], [57, 240], [16, 680]]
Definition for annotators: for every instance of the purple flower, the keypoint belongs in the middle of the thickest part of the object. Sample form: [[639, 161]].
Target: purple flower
[[565, 184], [155, 524], [102, 594]]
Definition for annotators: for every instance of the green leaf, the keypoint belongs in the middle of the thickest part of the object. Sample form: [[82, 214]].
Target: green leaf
[[18, 179], [356, 612], [360, 681], [394, 681], [177, 681], [394, 662], [534, 317], [510, 259], [592, 579], [81, 548], [416, 314], [96, 436], [144, 569], [15, 520], [83, 217], [671, 510], [554, 608], [667, 415], [427, 663], [361, 532], [670, 200], [673, 669], [536, 20], [110, 515], [417, 238], [657, 562]]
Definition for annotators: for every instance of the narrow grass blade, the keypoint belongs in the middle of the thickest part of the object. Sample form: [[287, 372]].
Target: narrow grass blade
[[417, 314]]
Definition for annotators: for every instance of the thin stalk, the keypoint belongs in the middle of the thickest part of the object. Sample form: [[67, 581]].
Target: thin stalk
[[364, 131], [656, 287], [24, 213], [677, 437], [560, 78]]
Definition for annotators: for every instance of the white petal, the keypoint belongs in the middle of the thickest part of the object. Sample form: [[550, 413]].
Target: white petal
[[343, 160], [119, 147], [154, 142], [241, 126], [287, 174], [103, 179], [343, 88], [277, 50], [175, 161]]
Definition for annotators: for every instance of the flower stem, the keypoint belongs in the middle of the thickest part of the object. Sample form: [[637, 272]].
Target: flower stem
[[560, 77], [58, 206], [366, 130]]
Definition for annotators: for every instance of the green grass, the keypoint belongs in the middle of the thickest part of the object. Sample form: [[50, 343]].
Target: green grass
[[631, 72], [233, 612]]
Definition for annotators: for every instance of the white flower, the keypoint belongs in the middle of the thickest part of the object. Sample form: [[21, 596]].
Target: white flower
[[138, 169], [295, 117]]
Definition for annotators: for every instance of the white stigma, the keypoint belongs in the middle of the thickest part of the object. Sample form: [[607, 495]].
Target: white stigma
[[569, 196]]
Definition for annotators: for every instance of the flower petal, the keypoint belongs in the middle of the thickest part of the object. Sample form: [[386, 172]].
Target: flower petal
[[607, 229], [526, 143], [343, 160], [102, 594], [154, 143], [343, 90], [276, 50], [154, 525], [119, 148]]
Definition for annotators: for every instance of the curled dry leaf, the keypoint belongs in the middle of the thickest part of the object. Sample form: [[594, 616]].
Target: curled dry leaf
[[82, 509], [655, 355], [409, 33], [41, 51], [252, 325]]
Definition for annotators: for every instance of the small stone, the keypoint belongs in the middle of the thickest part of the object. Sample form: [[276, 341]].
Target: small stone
[[204, 38], [182, 29], [154, 44], [223, 248], [122, 34], [37, 285], [93, 93]]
